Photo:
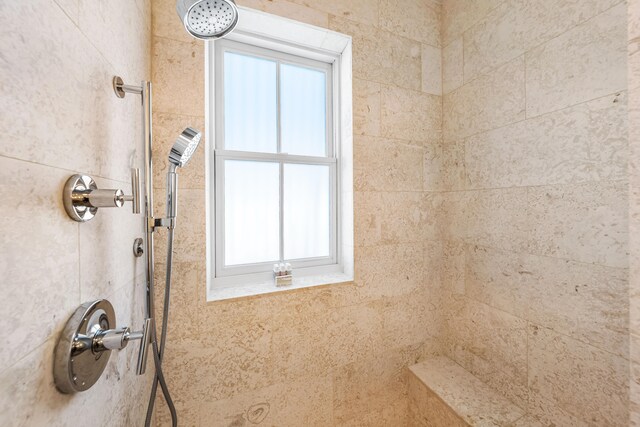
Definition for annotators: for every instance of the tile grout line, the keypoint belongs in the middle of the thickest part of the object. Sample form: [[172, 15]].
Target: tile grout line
[[614, 93], [525, 51]]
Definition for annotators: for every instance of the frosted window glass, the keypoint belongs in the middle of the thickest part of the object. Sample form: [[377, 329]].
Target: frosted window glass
[[307, 214], [250, 104], [303, 105], [251, 209]]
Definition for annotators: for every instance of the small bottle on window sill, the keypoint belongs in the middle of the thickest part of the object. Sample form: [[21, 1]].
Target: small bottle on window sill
[[283, 274]]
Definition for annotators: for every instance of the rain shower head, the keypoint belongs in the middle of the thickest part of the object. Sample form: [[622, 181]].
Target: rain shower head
[[208, 19], [184, 147]]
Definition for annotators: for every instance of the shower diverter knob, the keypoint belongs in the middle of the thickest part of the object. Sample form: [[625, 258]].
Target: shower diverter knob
[[82, 198]]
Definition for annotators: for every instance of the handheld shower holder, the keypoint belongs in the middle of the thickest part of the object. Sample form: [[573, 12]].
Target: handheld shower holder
[[82, 198]]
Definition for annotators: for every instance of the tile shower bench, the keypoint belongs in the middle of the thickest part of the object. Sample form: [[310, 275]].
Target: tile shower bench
[[443, 394]]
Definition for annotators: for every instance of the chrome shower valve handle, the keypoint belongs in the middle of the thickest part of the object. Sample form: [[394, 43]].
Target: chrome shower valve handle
[[82, 198], [85, 345]]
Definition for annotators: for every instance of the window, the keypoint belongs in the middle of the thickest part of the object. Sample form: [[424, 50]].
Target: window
[[277, 162]]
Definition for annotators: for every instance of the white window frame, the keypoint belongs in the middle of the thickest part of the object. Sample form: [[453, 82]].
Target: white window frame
[[286, 41]]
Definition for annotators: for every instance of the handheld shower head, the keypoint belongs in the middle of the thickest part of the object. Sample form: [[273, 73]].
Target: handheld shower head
[[208, 19], [184, 147], [179, 156]]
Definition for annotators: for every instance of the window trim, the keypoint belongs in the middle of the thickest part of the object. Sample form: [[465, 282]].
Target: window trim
[[221, 154], [273, 33]]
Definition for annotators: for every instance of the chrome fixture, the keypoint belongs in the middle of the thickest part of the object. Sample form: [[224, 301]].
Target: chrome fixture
[[82, 198], [208, 19], [86, 343], [138, 251], [180, 154]]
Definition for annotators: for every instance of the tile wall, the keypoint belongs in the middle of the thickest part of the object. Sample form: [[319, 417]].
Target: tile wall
[[536, 147], [60, 117], [320, 356]]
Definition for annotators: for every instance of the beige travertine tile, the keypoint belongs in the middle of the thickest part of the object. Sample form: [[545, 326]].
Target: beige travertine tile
[[112, 33], [586, 302], [390, 60], [546, 19], [303, 403], [408, 114], [500, 380], [588, 383], [388, 218], [452, 212], [634, 393], [386, 165], [35, 284], [484, 50], [394, 413], [30, 385], [71, 8], [428, 410], [227, 360], [288, 9], [452, 66], [495, 277], [460, 15], [414, 19], [522, 25], [167, 127], [372, 384], [587, 142], [41, 127], [586, 62], [466, 396], [527, 421], [410, 319], [633, 60], [312, 343], [60, 116], [548, 412], [184, 320], [633, 16], [166, 23], [364, 11], [190, 232], [188, 413], [433, 263], [178, 76], [487, 102], [366, 107], [498, 219], [497, 337], [431, 70], [390, 270], [453, 268], [586, 222], [444, 167]]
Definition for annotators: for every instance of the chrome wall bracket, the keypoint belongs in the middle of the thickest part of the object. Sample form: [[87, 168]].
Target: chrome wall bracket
[[122, 89], [85, 346], [82, 198]]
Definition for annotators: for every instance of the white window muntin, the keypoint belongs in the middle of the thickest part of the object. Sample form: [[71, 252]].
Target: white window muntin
[[262, 270]]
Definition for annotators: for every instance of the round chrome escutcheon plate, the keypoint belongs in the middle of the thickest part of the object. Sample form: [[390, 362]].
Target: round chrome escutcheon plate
[[73, 206], [76, 367]]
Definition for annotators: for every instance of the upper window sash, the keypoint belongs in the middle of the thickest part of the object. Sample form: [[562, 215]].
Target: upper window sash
[[225, 45]]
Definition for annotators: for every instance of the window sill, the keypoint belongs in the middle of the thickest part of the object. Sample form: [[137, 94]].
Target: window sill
[[269, 287]]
